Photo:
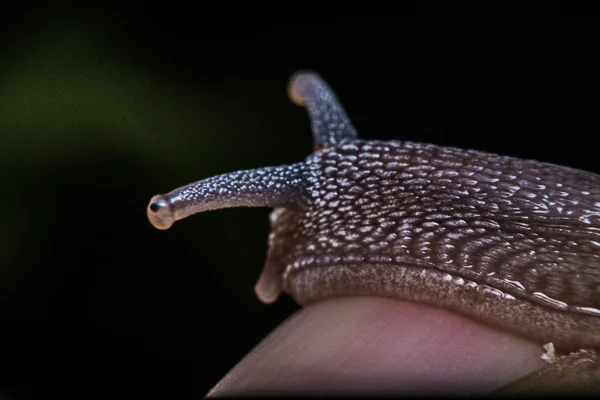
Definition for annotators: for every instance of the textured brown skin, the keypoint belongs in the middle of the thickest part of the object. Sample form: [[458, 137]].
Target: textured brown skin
[[405, 219]]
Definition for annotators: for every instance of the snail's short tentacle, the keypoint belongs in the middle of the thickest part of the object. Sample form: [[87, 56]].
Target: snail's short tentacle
[[330, 124]]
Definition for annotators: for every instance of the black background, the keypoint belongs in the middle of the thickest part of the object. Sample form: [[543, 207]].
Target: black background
[[92, 298]]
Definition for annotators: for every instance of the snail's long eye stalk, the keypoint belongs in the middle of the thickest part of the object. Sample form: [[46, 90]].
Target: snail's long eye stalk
[[265, 187]]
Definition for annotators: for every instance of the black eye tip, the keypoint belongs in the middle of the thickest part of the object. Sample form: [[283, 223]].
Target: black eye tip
[[155, 206]]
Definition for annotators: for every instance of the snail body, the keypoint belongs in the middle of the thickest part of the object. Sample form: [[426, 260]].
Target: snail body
[[512, 243]]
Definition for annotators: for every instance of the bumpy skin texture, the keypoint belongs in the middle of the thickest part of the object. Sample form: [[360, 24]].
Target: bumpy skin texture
[[514, 243]]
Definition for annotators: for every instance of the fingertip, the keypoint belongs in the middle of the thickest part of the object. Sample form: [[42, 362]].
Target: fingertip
[[368, 345]]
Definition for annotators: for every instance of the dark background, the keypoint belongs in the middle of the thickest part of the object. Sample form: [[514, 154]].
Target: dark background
[[101, 108]]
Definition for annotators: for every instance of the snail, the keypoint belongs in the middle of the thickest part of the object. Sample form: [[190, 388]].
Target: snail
[[509, 242]]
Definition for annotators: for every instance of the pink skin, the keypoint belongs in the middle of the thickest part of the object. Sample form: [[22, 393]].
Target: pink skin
[[373, 345]]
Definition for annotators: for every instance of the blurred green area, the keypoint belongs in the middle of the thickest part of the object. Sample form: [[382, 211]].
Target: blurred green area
[[76, 96], [91, 126]]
